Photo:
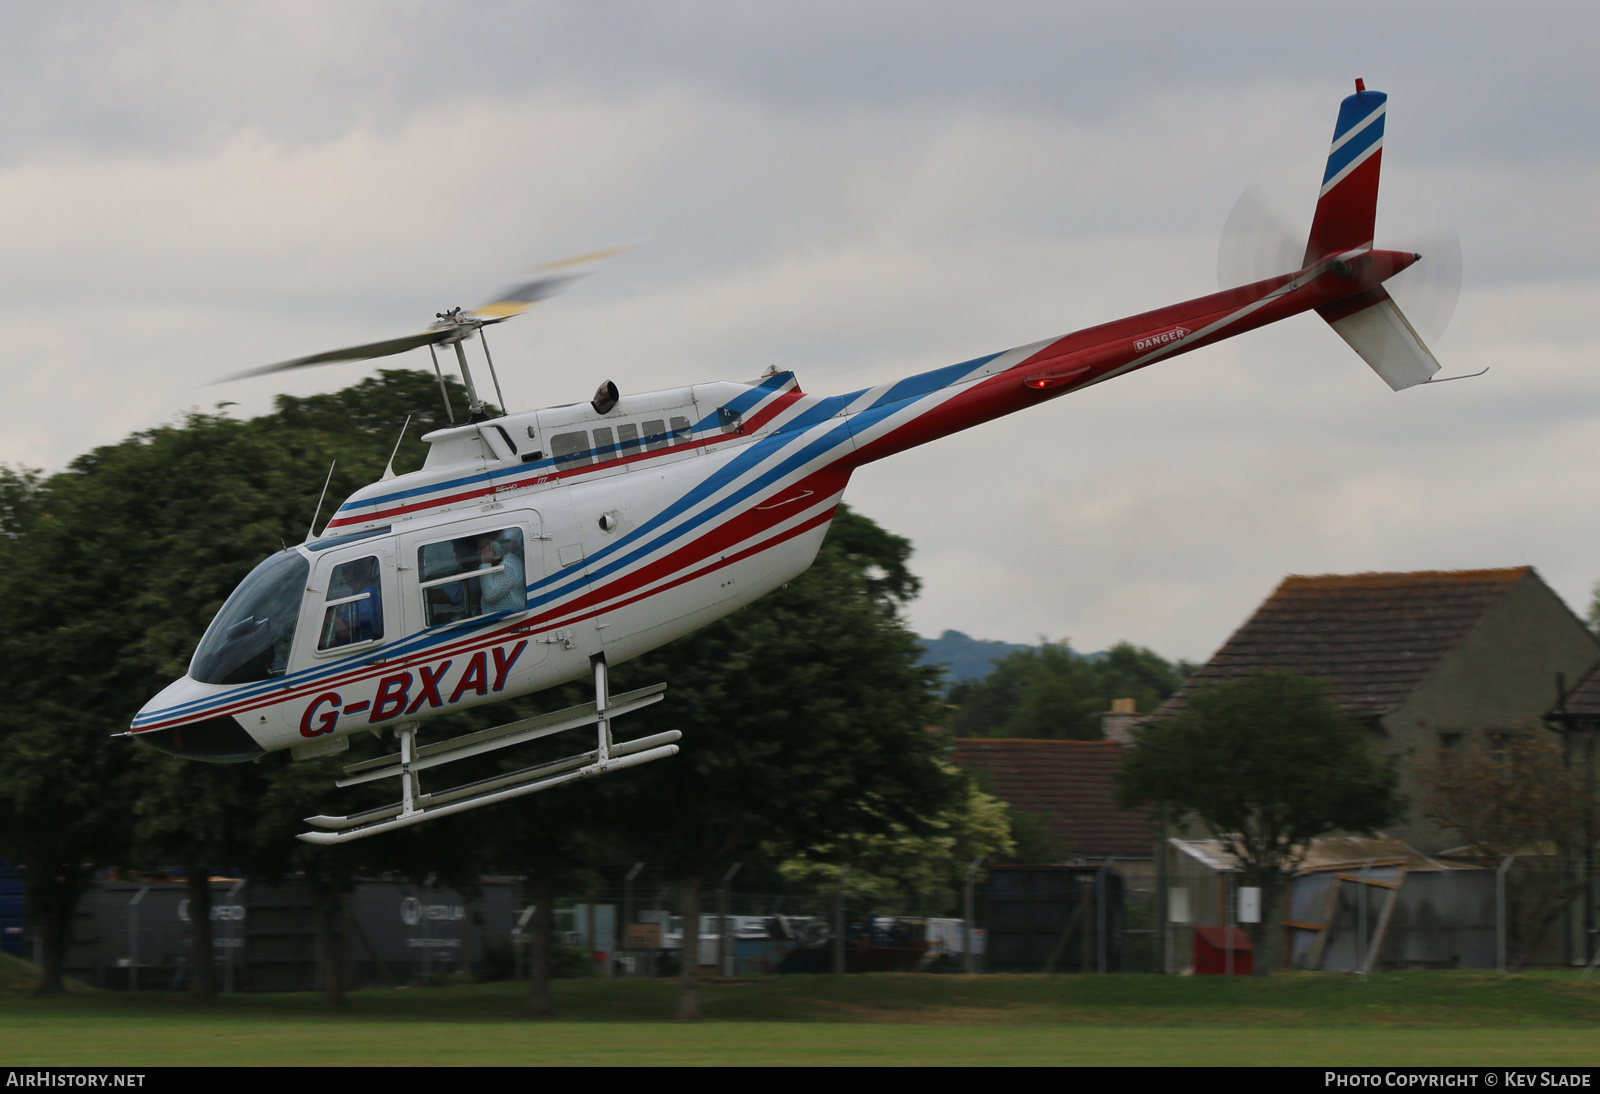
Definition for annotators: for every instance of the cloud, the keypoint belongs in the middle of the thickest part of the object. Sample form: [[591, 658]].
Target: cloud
[[857, 193]]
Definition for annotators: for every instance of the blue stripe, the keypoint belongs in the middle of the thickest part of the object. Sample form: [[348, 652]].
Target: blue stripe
[[401, 495], [635, 542], [927, 382], [555, 587], [1358, 146], [1351, 112], [768, 387], [1354, 108], [820, 446], [741, 404]]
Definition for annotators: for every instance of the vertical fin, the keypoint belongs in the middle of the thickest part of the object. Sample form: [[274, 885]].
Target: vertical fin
[[1348, 204]]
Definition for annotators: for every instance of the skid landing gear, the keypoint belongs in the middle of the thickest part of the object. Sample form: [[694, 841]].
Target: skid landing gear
[[414, 806]]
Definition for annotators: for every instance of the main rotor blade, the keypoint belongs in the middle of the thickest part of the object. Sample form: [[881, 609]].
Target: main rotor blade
[[351, 353], [552, 278]]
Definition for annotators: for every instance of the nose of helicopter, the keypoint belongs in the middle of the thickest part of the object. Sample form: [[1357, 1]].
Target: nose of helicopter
[[176, 722]]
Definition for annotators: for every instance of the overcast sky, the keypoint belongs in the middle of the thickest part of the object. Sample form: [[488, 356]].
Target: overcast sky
[[855, 191]]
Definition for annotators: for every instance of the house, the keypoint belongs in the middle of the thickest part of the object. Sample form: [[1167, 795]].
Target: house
[[1070, 785], [1430, 661]]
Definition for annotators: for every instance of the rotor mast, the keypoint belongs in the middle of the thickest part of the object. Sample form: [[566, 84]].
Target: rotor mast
[[462, 327]]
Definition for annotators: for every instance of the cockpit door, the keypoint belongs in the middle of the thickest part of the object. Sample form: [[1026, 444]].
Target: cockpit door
[[350, 605]]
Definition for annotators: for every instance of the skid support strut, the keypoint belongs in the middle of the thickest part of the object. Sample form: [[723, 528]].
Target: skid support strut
[[410, 788], [416, 806], [602, 706]]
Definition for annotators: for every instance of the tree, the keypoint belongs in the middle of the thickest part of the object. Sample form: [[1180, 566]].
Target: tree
[[190, 813], [804, 721], [555, 839], [1052, 692], [1521, 799], [1266, 764], [112, 570], [896, 860]]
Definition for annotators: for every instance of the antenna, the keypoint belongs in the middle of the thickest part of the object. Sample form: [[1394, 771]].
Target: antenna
[[388, 472], [443, 392], [312, 531]]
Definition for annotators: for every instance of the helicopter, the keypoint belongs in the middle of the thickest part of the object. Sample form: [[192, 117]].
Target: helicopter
[[540, 547]]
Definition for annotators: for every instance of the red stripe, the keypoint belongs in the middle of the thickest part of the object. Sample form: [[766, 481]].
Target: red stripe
[[1104, 349], [769, 411], [748, 525]]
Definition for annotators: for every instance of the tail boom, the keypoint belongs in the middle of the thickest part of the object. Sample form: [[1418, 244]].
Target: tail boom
[[1341, 279], [1029, 375]]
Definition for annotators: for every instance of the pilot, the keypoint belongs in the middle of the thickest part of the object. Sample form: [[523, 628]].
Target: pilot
[[504, 591], [359, 620]]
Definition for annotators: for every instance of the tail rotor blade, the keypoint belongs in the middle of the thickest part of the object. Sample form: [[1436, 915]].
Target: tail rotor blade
[[1257, 243], [1427, 291]]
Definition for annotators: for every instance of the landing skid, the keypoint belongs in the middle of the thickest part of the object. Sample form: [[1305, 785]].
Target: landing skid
[[414, 806]]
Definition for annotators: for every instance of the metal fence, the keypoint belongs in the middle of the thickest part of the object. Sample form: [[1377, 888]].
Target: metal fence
[[1106, 915], [136, 935]]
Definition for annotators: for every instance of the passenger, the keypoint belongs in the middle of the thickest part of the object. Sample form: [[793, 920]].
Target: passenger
[[504, 591]]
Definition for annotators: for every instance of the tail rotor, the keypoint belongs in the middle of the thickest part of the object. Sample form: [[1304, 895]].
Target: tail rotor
[[1390, 332], [1257, 243], [1429, 291]]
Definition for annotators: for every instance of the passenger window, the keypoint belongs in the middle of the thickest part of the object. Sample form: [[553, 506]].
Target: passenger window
[[655, 434], [603, 448], [628, 436], [472, 576], [570, 449], [355, 605], [681, 433]]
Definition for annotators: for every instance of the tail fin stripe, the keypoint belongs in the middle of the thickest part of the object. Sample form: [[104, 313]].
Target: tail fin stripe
[[1354, 148], [1341, 138]]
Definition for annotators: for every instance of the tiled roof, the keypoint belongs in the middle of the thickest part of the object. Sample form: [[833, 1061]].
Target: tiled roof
[[1069, 784], [1373, 637], [1584, 698]]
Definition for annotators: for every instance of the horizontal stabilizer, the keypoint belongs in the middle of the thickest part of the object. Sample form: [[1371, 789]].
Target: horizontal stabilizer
[[1381, 334]]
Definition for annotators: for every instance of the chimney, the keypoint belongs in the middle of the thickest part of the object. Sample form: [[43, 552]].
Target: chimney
[[1118, 722]]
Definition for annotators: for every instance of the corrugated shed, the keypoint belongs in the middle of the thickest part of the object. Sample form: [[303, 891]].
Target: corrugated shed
[[1373, 637], [1329, 853], [1070, 784]]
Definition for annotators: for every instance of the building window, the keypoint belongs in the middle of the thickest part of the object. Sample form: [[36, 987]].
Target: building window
[[1499, 747]]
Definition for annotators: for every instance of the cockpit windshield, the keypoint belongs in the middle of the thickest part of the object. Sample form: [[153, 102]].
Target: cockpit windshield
[[249, 639]]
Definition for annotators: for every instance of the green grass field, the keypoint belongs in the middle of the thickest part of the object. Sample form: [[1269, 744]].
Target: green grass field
[[1460, 1018]]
